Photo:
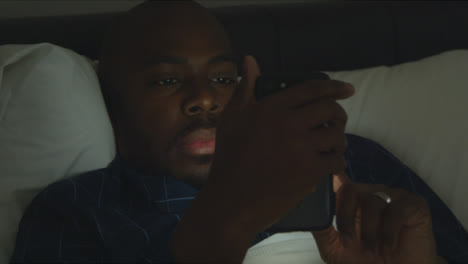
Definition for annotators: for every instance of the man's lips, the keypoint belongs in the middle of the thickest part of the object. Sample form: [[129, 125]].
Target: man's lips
[[199, 142]]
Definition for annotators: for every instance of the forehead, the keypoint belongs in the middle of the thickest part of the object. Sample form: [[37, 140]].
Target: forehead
[[183, 39], [185, 31]]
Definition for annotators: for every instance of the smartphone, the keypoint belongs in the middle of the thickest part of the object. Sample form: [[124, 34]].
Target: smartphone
[[316, 210]]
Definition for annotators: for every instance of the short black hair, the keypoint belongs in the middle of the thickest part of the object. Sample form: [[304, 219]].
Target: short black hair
[[170, 1]]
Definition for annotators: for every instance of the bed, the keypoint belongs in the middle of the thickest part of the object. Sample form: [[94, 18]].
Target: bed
[[391, 51]]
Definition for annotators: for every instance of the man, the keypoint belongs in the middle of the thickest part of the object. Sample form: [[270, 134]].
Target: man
[[169, 78]]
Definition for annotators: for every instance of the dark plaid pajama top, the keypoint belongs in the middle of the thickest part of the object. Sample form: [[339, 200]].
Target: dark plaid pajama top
[[118, 215]]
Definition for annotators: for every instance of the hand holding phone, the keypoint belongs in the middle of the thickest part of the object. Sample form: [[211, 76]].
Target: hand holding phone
[[315, 212], [268, 152], [267, 159]]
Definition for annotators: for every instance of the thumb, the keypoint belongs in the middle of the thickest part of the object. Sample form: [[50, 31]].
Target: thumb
[[244, 94], [339, 179]]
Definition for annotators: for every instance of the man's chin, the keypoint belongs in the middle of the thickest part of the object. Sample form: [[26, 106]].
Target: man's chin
[[193, 170]]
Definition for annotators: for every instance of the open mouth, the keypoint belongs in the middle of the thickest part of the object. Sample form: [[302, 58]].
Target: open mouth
[[198, 142]]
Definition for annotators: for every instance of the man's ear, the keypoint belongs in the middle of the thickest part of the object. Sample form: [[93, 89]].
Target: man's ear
[[240, 55]]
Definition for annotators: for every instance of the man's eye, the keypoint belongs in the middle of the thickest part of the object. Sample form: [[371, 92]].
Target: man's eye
[[224, 80], [167, 82]]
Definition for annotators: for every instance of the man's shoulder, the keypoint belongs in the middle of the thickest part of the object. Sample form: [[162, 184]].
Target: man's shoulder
[[369, 162], [355, 139], [85, 189], [361, 146]]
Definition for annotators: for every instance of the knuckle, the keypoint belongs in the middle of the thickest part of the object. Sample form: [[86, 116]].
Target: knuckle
[[293, 123], [401, 191], [322, 140], [347, 190], [335, 165], [419, 201], [337, 139], [261, 108], [337, 84], [340, 164], [319, 86], [321, 110], [368, 231], [340, 86], [340, 125], [262, 112], [255, 109], [342, 113], [380, 187]]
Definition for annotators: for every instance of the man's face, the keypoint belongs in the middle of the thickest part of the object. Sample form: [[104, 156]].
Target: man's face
[[180, 76]]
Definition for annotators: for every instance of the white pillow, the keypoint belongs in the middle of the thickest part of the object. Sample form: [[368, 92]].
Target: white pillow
[[53, 125], [418, 111]]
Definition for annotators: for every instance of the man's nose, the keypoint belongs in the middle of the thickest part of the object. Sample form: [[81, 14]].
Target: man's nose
[[201, 99]]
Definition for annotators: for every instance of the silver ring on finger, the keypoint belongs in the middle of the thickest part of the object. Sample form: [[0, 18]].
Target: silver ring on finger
[[385, 197]]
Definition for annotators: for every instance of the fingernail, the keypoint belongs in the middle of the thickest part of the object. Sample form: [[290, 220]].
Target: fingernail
[[350, 88]]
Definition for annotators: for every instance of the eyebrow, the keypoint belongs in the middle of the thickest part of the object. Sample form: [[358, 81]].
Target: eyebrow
[[164, 59], [225, 57]]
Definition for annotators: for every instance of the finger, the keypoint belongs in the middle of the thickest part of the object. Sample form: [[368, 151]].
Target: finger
[[323, 166], [347, 203], [408, 211], [328, 140], [244, 92], [326, 146], [307, 138], [316, 114], [309, 91], [372, 209]]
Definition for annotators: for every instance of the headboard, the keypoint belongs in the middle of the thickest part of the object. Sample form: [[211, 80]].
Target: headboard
[[326, 36]]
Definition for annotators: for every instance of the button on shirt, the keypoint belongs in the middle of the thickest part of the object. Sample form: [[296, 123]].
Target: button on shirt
[[116, 214]]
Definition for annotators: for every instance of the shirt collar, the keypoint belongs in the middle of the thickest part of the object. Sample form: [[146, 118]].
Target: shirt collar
[[167, 193]]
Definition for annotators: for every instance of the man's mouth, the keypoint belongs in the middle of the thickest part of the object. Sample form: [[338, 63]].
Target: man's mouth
[[198, 142]]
